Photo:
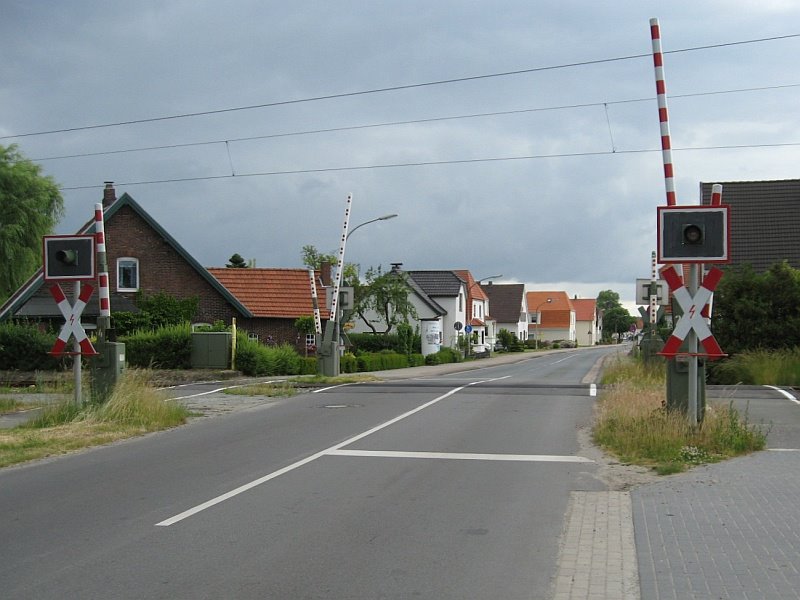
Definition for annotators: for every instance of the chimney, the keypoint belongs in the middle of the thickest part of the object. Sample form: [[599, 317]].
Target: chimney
[[325, 273], [109, 195], [397, 267]]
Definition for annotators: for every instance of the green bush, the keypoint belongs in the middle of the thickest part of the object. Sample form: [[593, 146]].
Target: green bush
[[381, 361], [23, 347], [158, 310], [255, 359], [348, 363], [164, 348], [444, 356]]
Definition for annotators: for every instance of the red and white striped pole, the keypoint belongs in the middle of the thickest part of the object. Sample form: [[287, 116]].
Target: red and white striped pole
[[104, 321], [663, 117]]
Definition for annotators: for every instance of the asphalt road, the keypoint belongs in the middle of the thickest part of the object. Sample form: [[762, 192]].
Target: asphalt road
[[452, 486]]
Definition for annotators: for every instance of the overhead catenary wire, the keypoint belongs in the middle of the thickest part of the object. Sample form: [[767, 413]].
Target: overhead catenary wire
[[344, 128], [432, 163], [393, 88]]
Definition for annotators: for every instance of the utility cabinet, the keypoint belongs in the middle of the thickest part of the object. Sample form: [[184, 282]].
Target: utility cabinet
[[211, 350]]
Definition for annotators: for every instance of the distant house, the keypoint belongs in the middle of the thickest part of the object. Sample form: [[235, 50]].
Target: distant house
[[586, 320], [483, 325], [448, 291], [142, 259], [765, 221], [431, 316], [551, 316], [276, 298], [509, 307]]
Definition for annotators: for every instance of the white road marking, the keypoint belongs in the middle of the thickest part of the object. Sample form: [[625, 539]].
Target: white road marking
[[248, 486], [332, 387], [222, 389], [593, 390], [555, 362], [784, 392], [461, 456]]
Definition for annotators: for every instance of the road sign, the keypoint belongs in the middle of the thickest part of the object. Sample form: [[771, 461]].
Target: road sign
[[72, 315], [468, 329], [692, 318], [458, 325]]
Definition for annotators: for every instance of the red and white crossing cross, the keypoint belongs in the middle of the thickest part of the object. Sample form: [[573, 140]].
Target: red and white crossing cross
[[72, 314], [693, 307]]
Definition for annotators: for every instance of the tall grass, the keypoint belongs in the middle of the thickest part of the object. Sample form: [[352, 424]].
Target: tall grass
[[132, 409], [632, 422], [761, 367]]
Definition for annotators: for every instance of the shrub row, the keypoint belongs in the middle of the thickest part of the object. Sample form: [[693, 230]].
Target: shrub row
[[23, 347], [379, 361], [168, 347], [371, 342]]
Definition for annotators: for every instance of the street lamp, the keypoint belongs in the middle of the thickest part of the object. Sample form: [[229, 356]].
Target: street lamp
[[539, 319], [328, 361], [383, 218]]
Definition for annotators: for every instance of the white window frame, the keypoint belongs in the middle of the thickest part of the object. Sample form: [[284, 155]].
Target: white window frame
[[135, 262]]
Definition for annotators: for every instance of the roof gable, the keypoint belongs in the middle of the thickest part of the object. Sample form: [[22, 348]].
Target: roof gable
[[33, 284], [438, 283], [585, 308], [506, 300]]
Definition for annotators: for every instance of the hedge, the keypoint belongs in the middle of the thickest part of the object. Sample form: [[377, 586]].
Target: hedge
[[23, 347], [165, 348]]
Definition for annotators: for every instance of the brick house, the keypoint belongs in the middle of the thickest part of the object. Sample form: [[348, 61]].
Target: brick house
[[142, 258], [765, 221], [275, 298]]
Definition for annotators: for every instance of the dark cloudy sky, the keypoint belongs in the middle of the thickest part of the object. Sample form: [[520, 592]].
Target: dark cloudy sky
[[560, 191]]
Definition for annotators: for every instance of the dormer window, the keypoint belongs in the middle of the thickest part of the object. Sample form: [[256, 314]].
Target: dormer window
[[128, 274]]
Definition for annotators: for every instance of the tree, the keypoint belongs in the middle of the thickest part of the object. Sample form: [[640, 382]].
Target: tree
[[236, 262], [385, 294], [757, 310], [31, 206], [607, 299], [616, 318], [314, 259]]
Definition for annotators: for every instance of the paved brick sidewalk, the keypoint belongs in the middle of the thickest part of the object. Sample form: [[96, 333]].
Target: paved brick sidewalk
[[597, 560], [724, 531]]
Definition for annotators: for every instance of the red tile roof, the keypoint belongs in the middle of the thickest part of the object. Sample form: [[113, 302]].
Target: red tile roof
[[276, 293], [555, 313], [585, 308]]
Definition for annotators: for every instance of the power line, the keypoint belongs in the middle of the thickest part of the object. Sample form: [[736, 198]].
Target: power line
[[433, 163], [395, 88], [407, 122]]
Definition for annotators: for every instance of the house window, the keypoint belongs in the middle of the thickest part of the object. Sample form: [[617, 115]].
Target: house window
[[128, 274], [311, 340], [460, 302]]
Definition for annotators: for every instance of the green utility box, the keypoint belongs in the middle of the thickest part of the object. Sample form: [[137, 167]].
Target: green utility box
[[107, 368], [678, 385], [211, 350]]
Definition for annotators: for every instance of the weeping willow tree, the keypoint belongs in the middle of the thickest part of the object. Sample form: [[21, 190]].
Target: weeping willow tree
[[30, 207]]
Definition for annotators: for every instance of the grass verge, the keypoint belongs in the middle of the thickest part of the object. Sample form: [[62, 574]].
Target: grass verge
[[632, 423], [289, 387], [134, 408]]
